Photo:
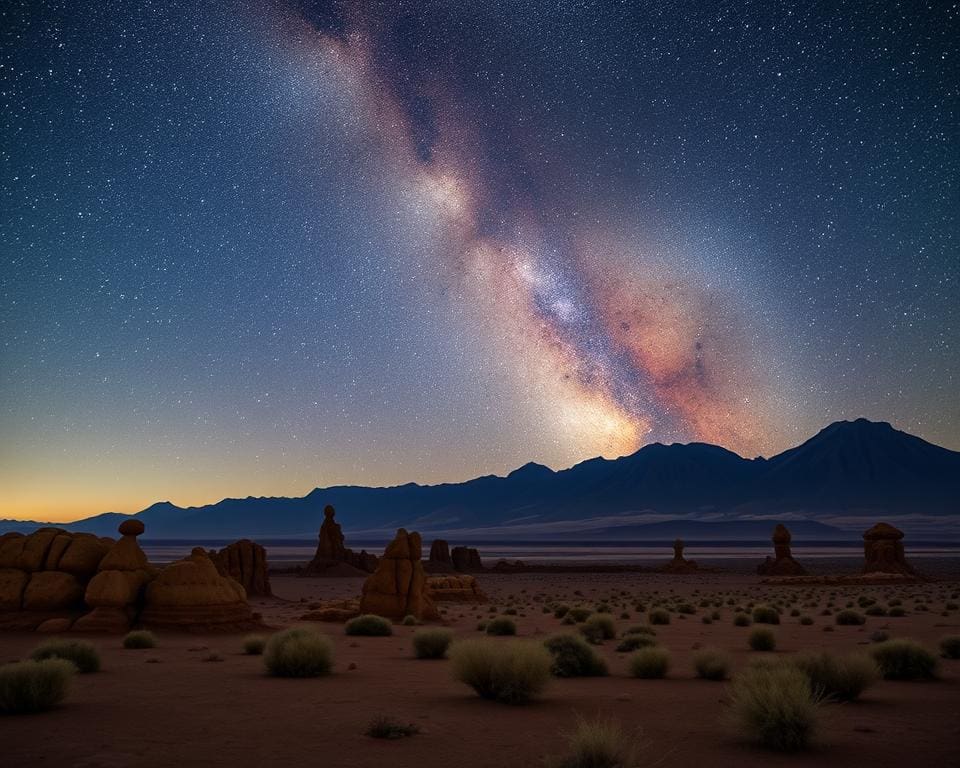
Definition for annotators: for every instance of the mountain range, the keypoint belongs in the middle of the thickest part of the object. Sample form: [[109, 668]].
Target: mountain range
[[845, 478]]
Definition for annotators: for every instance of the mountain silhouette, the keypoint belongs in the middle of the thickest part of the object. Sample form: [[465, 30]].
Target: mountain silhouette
[[850, 470]]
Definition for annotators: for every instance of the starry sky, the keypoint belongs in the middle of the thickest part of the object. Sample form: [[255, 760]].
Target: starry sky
[[250, 248]]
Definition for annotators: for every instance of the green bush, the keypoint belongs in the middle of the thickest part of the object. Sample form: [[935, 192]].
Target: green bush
[[574, 657], [409, 621], [641, 629], [83, 655], [650, 663], [766, 614], [511, 673], [431, 643], [741, 620], [762, 640], [598, 628], [773, 705], [950, 647], [34, 686], [658, 616], [840, 678], [501, 626], [369, 625], [635, 642], [850, 617], [579, 614], [253, 645], [904, 660], [139, 639], [711, 664], [598, 744], [560, 611], [298, 652]]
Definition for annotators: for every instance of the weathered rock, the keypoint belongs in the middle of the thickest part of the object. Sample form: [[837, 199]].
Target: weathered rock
[[883, 551], [333, 610], [455, 588], [192, 594], [439, 560], [104, 619], [332, 551], [245, 562], [13, 582], [11, 545], [83, 555], [125, 554], [398, 586], [54, 626], [466, 560], [782, 563], [52, 591], [116, 589], [132, 527], [679, 564], [35, 546]]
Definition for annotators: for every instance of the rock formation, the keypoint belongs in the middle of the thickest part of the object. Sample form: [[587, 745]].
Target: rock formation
[[332, 554], [883, 551], [397, 588], [679, 564], [455, 588], [191, 594], [245, 562], [466, 560], [439, 560], [782, 563]]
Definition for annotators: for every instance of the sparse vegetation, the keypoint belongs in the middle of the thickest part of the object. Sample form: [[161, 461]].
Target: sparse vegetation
[[34, 686], [369, 625], [574, 657], [840, 678], [950, 647], [510, 673], [850, 617], [765, 614], [383, 727], [139, 638], [83, 655], [658, 616], [762, 640], [598, 628], [432, 643], [710, 664], [904, 659], [650, 663], [598, 743], [253, 645], [298, 652], [774, 706], [635, 642], [501, 626]]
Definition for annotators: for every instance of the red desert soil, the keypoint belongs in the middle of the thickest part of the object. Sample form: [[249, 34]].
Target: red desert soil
[[167, 707]]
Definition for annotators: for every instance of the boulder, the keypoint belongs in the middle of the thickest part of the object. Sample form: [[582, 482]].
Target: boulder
[[883, 551], [439, 560], [245, 562], [466, 560], [104, 619], [13, 582], [397, 588], [455, 588], [332, 551], [11, 545], [125, 554], [54, 626], [679, 564], [52, 591], [116, 589], [191, 594], [83, 555], [782, 563], [33, 554]]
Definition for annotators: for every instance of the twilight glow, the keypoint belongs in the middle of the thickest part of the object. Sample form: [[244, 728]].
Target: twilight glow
[[257, 248]]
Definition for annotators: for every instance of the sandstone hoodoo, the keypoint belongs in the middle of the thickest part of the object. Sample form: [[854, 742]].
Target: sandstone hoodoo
[[782, 563], [439, 560], [883, 551], [245, 562], [333, 557], [679, 564], [466, 560], [455, 588], [398, 587]]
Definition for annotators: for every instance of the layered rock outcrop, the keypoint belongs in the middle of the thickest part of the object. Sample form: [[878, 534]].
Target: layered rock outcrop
[[245, 562], [679, 564], [883, 551], [333, 557], [782, 562], [398, 587], [455, 588], [439, 560], [466, 560]]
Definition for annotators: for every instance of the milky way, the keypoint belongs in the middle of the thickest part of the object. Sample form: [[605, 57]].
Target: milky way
[[258, 247]]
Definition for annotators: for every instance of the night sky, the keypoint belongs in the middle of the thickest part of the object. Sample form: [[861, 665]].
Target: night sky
[[257, 247]]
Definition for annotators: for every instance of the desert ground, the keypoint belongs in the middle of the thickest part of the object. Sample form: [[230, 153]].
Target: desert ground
[[199, 700]]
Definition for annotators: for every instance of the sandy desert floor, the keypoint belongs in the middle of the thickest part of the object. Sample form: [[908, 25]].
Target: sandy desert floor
[[168, 706]]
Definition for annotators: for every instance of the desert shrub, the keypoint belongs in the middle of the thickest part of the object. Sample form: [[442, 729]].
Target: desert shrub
[[560, 611], [904, 660], [383, 727], [686, 608], [409, 620], [876, 610], [253, 645], [599, 628], [511, 673], [298, 652], [806, 621], [850, 618], [762, 640], [431, 643], [774, 706], [711, 664], [840, 678], [369, 625], [741, 620], [766, 614], [501, 626], [482, 626], [34, 686], [658, 616], [579, 614], [879, 636], [634, 642], [641, 629], [950, 647], [83, 655], [574, 657], [650, 663], [598, 744], [896, 612], [139, 639]]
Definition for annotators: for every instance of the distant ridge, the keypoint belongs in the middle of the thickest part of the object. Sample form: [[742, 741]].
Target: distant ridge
[[845, 477]]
